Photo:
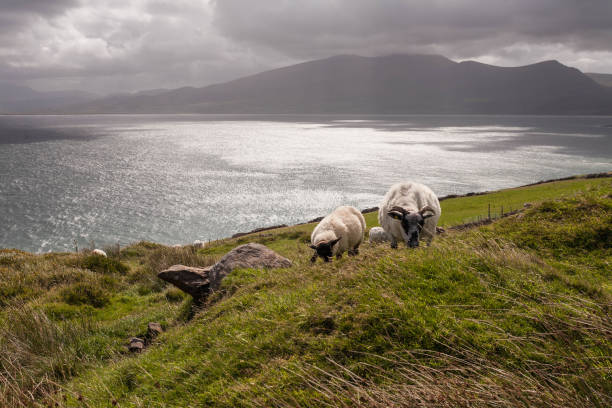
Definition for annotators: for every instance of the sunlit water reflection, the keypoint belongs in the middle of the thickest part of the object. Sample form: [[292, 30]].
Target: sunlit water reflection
[[173, 179]]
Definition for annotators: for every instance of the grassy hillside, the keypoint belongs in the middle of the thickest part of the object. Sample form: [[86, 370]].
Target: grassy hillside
[[515, 313]]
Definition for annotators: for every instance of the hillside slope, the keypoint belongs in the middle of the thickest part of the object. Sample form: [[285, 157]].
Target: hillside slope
[[390, 84], [515, 313], [602, 79]]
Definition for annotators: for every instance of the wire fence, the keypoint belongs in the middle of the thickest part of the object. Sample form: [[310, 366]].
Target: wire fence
[[492, 213]]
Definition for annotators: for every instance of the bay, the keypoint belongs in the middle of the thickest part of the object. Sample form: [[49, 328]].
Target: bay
[[106, 179]]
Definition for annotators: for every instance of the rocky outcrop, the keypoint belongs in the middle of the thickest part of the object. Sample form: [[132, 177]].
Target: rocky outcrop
[[251, 255], [136, 345], [189, 279], [154, 329], [199, 282]]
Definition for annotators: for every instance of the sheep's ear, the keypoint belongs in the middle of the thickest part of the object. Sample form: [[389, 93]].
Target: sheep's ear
[[395, 214], [313, 246], [427, 212], [334, 242]]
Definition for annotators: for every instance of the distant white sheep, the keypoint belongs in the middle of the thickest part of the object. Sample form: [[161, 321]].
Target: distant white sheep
[[409, 212], [378, 235], [340, 231], [198, 244], [99, 252]]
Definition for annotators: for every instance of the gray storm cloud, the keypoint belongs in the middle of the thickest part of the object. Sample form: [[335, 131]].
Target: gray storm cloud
[[328, 26], [112, 45]]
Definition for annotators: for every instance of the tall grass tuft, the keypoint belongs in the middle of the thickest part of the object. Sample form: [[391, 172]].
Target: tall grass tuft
[[36, 354]]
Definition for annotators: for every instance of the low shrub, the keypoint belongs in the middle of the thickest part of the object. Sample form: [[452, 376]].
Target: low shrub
[[174, 294], [64, 311], [85, 293], [103, 265]]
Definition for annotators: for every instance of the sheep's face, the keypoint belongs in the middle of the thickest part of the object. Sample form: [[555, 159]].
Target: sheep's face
[[412, 224], [324, 250]]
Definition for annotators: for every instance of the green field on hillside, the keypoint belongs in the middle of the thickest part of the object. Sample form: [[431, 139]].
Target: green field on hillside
[[515, 313]]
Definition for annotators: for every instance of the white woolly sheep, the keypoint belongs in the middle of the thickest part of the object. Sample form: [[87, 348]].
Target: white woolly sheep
[[99, 252], [409, 212], [378, 234], [198, 244], [340, 231]]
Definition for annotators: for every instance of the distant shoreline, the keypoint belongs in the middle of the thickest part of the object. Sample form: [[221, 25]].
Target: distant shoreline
[[373, 209], [535, 115]]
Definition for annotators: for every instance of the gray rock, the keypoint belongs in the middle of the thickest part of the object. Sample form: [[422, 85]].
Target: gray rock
[[199, 282], [136, 345], [251, 255], [154, 329], [189, 279]]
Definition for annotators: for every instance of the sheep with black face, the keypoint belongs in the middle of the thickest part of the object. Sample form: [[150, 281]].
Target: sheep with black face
[[409, 212], [340, 231]]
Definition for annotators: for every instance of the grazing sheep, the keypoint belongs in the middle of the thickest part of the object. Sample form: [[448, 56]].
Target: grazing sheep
[[340, 231], [409, 211], [198, 244], [99, 252], [378, 234]]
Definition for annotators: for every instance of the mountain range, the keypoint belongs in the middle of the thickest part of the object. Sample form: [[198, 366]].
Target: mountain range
[[602, 79], [384, 85], [23, 99]]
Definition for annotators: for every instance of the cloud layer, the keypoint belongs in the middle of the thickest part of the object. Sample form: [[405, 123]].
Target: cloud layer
[[117, 45]]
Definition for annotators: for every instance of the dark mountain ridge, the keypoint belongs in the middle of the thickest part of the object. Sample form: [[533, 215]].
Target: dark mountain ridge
[[390, 84]]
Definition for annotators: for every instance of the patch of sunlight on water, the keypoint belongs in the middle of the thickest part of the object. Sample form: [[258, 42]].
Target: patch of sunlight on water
[[177, 178]]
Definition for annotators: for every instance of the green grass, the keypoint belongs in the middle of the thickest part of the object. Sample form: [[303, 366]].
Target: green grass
[[466, 209], [515, 313]]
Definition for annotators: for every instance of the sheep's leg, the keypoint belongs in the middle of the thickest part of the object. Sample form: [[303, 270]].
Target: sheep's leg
[[354, 251], [338, 255], [393, 243]]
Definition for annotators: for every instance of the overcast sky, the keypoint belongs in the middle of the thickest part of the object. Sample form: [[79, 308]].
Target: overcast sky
[[126, 45]]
